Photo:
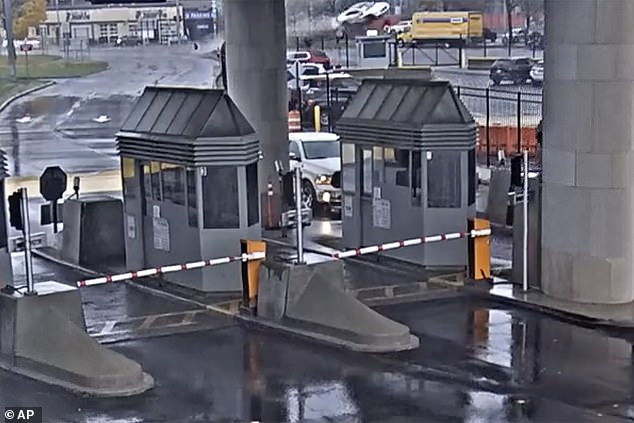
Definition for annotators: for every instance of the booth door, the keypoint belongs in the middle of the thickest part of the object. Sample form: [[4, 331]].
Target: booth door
[[445, 206]]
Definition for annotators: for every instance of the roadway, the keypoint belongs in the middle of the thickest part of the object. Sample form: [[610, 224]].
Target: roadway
[[478, 362]]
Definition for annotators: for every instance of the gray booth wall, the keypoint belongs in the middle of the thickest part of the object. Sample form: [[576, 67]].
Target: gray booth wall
[[168, 227], [415, 208]]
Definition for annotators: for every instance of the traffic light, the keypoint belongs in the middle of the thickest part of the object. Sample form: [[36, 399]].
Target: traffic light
[[15, 210]]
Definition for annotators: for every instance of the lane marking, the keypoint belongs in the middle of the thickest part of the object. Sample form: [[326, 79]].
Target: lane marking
[[107, 328]]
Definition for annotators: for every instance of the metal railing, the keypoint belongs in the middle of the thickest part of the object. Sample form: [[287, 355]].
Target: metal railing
[[503, 108]]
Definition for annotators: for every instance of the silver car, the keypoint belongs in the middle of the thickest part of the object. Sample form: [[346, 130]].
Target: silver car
[[537, 73]]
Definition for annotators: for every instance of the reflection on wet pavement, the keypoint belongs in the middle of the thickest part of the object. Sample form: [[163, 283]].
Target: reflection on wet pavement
[[232, 374], [478, 362]]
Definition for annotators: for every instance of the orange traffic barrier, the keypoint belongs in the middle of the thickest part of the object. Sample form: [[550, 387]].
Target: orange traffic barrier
[[294, 121], [505, 138]]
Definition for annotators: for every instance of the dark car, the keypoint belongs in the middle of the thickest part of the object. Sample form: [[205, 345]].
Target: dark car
[[517, 70], [129, 41]]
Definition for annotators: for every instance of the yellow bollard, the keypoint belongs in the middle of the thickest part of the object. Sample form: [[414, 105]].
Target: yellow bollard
[[317, 117], [399, 59], [251, 272], [480, 251]]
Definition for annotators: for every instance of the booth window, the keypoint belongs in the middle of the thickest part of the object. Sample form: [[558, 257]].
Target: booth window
[[253, 197], [373, 50], [221, 208], [173, 177], [155, 177], [378, 166], [130, 184], [367, 171], [192, 203], [443, 179], [348, 168], [417, 194], [398, 163], [473, 179]]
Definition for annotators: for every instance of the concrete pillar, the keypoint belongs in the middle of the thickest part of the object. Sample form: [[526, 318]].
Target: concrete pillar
[[588, 196], [255, 34]]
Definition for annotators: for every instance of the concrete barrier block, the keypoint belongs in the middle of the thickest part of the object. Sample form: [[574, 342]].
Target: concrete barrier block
[[44, 337], [310, 300], [480, 63]]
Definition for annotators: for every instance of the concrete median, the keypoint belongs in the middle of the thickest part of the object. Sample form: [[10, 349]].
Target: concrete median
[[309, 300], [44, 337]]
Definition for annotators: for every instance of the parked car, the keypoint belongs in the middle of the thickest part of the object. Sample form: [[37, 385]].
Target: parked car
[[518, 36], [537, 73], [319, 153], [402, 26], [515, 69], [128, 41], [309, 56]]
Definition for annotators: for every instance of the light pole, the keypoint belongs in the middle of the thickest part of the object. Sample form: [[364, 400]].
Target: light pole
[[8, 27]]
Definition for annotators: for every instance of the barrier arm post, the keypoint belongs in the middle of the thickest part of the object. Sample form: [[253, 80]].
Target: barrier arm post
[[251, 273], [480, 251]]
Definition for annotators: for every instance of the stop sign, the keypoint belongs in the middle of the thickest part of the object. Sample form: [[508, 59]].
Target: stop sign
[[53, 183]]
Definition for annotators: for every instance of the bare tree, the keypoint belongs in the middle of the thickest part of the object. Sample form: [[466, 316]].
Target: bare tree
[[532, 9]]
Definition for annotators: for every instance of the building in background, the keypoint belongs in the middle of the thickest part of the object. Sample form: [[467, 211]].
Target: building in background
[[105, 24]]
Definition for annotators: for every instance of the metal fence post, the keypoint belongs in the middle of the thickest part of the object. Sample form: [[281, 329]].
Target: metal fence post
[[413, 54], [298, 208], [519, 122], [488, 124], [484, 45], [26, 230], [460, 64], [328, 102], [322, 42], [525, 228], [299, 95], [347, 52]]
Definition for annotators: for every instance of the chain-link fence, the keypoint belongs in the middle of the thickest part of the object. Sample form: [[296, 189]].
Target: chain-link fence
[[507, 119]]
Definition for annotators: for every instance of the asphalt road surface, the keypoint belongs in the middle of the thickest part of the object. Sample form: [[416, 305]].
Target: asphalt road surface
[[58, 125], [478, 362]]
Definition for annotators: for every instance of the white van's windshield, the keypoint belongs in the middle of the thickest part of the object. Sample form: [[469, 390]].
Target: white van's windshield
[[321, 149]]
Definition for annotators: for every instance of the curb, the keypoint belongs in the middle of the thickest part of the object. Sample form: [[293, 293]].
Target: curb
[[24, 93], [567, 316], [460, 71]]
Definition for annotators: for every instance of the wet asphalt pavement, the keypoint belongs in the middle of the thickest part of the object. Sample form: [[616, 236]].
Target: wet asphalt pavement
[[478, 362]]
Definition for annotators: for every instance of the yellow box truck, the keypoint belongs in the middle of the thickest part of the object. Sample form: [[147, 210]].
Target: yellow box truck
[[453, 28]]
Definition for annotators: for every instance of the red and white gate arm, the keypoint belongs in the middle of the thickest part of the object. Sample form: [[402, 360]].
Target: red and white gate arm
[[171, 268], [476, 233]]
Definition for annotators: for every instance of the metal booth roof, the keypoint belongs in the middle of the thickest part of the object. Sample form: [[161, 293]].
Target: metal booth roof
[[188, 126], [410, 114]]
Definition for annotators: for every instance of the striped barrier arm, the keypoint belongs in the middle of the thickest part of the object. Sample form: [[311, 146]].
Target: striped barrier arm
[[169, 269], [476, 233]]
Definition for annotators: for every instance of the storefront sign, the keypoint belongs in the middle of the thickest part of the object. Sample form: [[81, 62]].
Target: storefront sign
[[197, 14]]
